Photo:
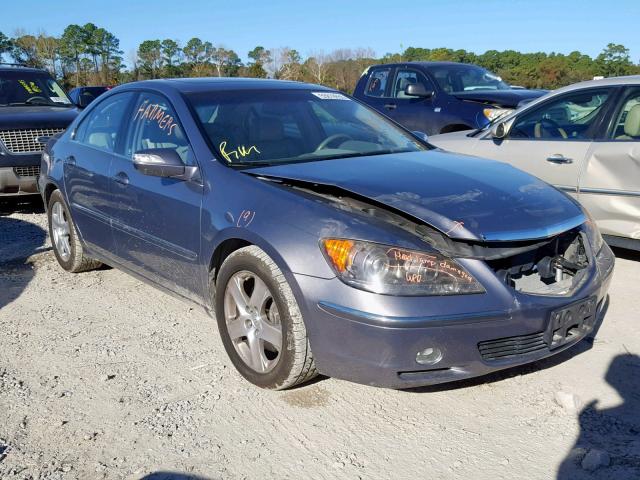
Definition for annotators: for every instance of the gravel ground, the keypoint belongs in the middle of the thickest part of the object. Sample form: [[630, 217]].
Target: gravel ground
[[102, 376]]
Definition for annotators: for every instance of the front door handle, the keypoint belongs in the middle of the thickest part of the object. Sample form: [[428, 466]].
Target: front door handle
[[122, 178], [390, 106], [70, 160], [559, 158]]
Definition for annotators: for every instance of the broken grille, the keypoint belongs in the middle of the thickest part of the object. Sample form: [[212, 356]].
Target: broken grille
[[512, 346], [25, 141], [32, 171]]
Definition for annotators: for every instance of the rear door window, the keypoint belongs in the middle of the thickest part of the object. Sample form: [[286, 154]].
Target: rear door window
[[102, 127], [377, 83], [627, 123]]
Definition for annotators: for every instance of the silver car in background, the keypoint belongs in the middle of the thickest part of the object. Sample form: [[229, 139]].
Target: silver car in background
[[583, 139]]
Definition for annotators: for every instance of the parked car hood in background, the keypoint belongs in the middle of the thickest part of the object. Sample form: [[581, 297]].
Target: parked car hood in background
[[464, 197], [502, 98], [36, 116]]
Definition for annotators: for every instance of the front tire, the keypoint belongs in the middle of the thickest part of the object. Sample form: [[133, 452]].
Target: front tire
[[64, 237], [260, 323]]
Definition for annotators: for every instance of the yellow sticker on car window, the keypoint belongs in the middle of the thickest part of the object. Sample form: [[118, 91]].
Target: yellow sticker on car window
[[240, 152], [30, 87]]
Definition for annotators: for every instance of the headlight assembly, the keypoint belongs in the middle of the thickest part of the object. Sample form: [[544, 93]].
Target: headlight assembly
[[593, 233], [492, 114], [390, 270]]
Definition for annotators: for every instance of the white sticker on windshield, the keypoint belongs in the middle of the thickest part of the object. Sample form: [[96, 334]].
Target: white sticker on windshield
[[59, 100], [329, 96]]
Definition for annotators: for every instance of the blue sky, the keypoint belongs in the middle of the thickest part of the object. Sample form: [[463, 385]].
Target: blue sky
[[385, 26]]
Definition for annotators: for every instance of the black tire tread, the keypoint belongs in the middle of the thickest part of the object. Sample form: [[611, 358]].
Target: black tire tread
[[303, 368]]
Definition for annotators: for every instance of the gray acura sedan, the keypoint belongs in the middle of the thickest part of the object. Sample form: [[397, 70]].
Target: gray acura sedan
[[322, 236]]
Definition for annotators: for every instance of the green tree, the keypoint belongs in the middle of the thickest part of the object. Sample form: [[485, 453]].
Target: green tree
[[614, 61], [260, 57], [194, 51], [150, 55], [72, 47], [5, 44], [170, 51]]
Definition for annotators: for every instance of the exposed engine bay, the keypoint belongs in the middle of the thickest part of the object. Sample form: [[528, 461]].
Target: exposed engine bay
[[551, 266]]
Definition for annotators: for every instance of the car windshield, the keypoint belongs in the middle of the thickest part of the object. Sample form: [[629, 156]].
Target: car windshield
[[467, 78], [265, 127], [19, 88]]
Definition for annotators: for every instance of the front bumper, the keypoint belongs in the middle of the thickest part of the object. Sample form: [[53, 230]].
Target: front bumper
[[18, 181], [353, 336]]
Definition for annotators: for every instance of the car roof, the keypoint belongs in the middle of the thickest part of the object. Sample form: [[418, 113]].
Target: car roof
[[208, 84], [602, 82], [423, 64], [19, 68]]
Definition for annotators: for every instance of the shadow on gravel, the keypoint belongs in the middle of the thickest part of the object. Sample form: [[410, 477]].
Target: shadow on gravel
[[172, 476], [609, 439], [18, 240]]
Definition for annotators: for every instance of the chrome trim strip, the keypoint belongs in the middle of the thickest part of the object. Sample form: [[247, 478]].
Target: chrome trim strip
[[567, 188], [412, 322], [606, 191]]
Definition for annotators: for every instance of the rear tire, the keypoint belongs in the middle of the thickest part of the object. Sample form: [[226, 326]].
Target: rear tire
[[67, 246], [260, 323]]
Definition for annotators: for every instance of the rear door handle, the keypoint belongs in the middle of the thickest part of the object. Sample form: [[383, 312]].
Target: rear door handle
[[559, 158], [70, 160], [122, 178], [390, 106]]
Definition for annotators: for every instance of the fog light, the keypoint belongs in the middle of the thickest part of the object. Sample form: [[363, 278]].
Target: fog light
[[429, 356]]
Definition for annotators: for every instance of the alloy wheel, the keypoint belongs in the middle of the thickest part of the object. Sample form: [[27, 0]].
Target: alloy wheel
[[61, 231], [253, 321]]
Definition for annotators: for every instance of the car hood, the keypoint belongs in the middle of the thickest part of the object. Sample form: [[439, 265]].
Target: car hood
[[28, 117], [464, 197], [502, 98]]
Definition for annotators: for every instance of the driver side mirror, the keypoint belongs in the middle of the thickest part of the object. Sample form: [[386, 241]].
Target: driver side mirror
[[163, 162], [418, 90]]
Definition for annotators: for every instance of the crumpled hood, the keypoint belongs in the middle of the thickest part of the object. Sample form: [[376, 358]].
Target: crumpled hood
[[36, 116], [503, 98], [464, 197]]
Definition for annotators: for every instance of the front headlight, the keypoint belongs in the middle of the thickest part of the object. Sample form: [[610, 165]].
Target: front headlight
[[392, 270], [492, 114], [593, 233]]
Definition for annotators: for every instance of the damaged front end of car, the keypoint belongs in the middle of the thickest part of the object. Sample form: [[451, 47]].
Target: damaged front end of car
[[553, 266]]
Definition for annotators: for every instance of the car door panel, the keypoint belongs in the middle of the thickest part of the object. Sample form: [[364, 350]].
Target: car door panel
[[551, 141], [558, 163], [610, 187], [414, 113], [88, 174], [610, 183], [157, 223]]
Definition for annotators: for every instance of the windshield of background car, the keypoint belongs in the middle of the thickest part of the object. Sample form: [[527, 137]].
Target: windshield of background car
[[28, 88], [467, 78], [250, 127]]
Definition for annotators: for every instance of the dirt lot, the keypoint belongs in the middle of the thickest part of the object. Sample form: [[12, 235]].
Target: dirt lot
[[102, 376]]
